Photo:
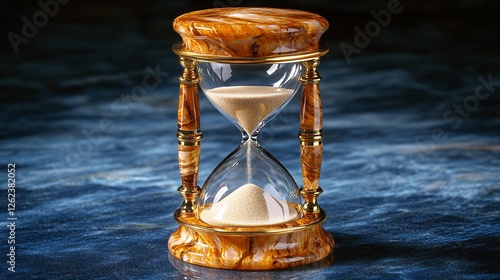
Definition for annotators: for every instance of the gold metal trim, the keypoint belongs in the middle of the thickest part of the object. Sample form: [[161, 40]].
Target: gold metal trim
[[188, 205], [305, 222], [311, 137], [189, 138], [311, 206], [311, 75], [190, 72], [294, 57]]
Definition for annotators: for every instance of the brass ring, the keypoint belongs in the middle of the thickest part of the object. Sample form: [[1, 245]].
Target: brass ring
[[289, 227], [294, 57]]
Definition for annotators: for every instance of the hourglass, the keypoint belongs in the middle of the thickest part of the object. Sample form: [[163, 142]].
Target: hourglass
[[250, 214]]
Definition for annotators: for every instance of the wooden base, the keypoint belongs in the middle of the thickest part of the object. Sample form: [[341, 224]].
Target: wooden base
[[251, 250]]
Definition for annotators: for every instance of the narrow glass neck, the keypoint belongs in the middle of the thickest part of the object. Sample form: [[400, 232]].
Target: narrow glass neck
[[245, 137]]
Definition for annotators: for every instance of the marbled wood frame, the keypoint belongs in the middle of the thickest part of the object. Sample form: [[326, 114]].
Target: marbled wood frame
[[274, 247], [188, 134], [311, 135]]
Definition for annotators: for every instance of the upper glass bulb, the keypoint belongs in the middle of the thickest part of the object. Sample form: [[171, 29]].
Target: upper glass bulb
[[249, 95]]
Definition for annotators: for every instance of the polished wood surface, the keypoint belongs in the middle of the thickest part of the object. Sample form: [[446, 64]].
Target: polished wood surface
[[188, 134], [251, 252], [310, 126], [250, 32], [311, 136], [188, 113]]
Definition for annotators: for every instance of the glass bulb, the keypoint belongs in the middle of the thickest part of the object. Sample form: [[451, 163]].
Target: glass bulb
[[249, 187]]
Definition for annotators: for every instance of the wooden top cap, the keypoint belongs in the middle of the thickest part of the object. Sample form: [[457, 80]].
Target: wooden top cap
[[250, 32]]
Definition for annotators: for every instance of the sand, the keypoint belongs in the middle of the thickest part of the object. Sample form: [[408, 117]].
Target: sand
[[249, 205], [249, 105]]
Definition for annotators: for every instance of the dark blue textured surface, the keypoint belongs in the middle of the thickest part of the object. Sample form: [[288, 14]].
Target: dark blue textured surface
[[97, 171]]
